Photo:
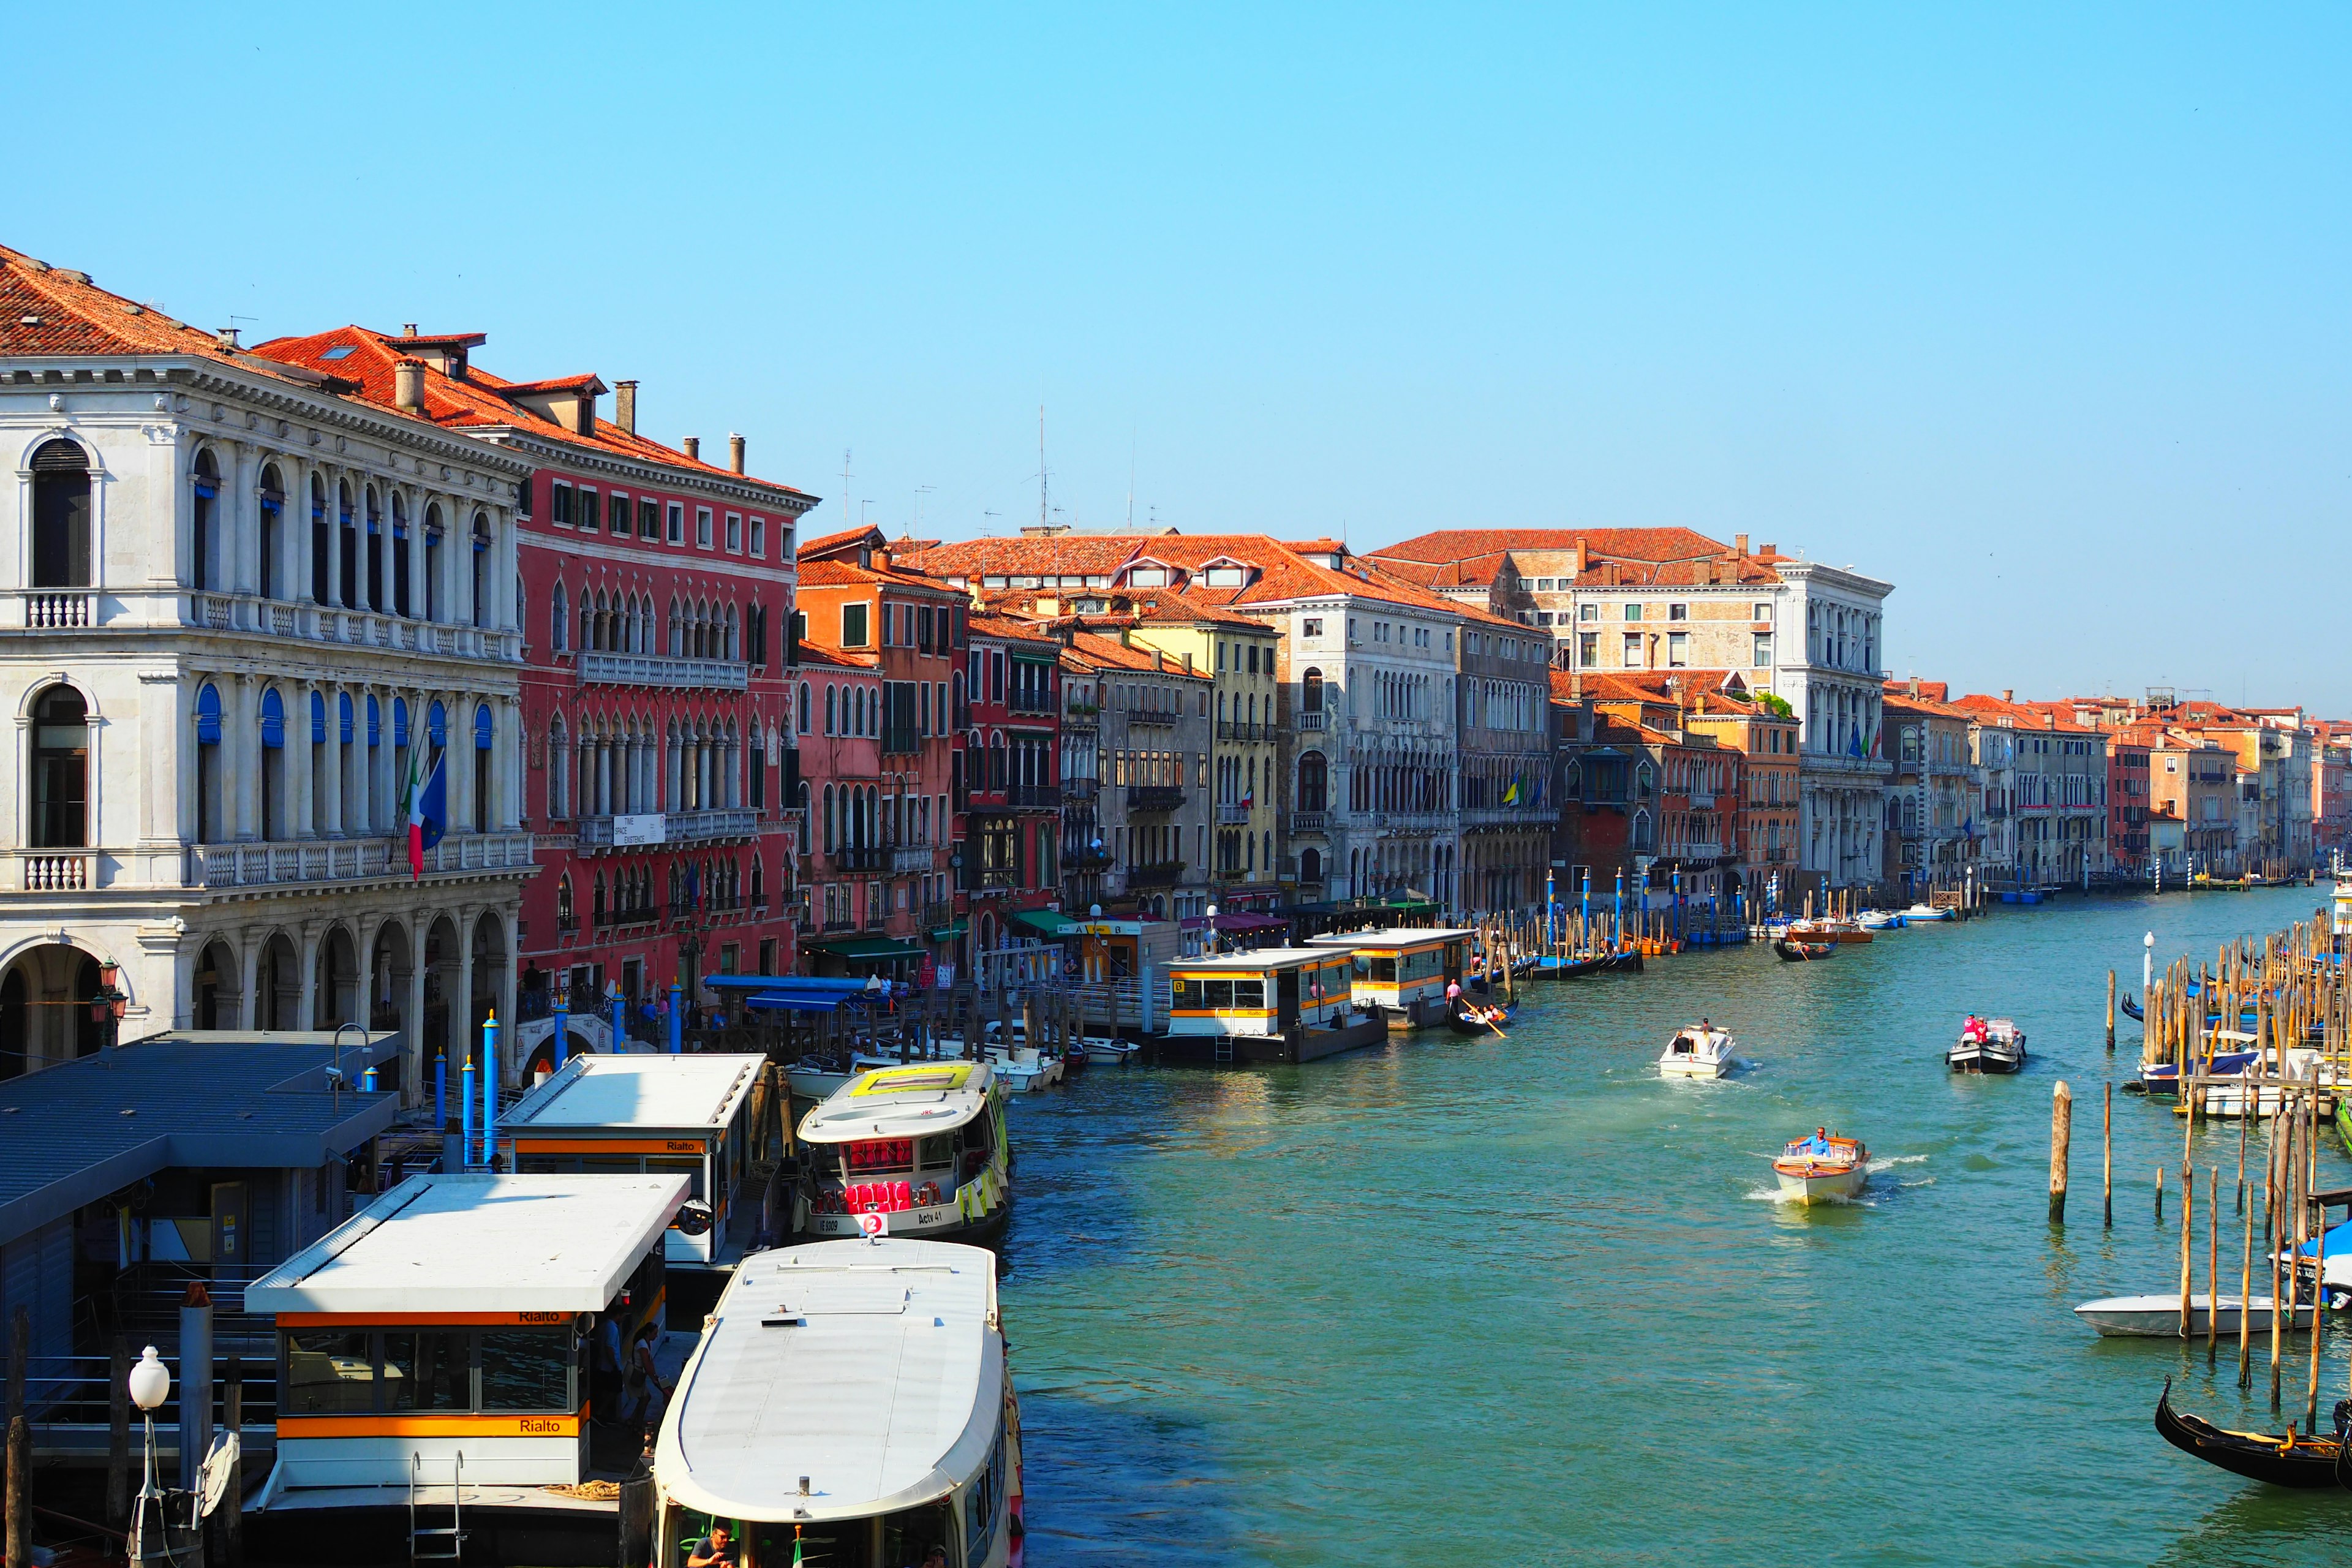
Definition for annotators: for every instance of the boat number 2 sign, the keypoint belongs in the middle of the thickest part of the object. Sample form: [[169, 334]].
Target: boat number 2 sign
[[873, 1225]]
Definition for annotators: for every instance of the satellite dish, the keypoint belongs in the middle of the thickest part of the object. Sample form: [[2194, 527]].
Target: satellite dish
[[693, 1218], [218, 1470]]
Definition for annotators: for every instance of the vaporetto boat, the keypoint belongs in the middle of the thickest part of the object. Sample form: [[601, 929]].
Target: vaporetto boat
[[849, 1405], [916, 1150]]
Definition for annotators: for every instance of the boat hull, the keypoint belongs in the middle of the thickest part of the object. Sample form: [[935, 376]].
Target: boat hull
[[2302, 1462], [1694, 1066], [2158, 1317], [1802, 952], [1820, 1187], [1992, 1056]]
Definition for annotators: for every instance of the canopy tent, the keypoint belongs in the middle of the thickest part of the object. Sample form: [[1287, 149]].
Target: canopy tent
[[782, 983], [862, 947], [1048, 923], [803, 1001]]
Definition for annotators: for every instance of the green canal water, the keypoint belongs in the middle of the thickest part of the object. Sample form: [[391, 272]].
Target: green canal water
[[1459, 1302]]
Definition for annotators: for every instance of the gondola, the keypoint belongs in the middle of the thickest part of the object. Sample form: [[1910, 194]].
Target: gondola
[[1465, 1019], [2293, 1460], [1794, 952], [1627, 963], [2130, 1008]]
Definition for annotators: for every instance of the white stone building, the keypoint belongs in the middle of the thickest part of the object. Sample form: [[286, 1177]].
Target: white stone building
[[236, 604], [1835, 689]]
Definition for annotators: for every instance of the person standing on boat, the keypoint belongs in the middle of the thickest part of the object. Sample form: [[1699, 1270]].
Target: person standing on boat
[[605, 1373], [641, 1382]]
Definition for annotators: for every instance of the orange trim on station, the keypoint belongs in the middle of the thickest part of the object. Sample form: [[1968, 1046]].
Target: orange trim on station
[[552, 1426], [613, 1145], [425, 1320]]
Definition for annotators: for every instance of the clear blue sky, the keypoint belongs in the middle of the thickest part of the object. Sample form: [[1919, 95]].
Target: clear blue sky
[[2040, 314]]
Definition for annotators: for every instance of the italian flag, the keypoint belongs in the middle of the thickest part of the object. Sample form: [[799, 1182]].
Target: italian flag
[[426, 803]]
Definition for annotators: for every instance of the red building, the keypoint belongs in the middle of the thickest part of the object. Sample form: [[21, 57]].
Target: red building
[[2128, 749], [882, 828], [657, 594], [1009, 793]]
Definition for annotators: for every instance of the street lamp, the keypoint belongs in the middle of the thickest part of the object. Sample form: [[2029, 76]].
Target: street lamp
[[150, 1384], [1213, 928], [2146, 965], [108, 1003]]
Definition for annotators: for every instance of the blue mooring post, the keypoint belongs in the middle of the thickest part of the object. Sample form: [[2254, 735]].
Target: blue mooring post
[[441, 1089], [1678, 902], [562, 1026], [490, 1091], [620, 1020], [676, 1018], [1586, 897], [465, 1108], [367, 1078], [1619, 935]]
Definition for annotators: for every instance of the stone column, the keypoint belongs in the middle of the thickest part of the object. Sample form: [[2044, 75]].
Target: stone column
[[333, 793], [416, 1078], [306, 1005]]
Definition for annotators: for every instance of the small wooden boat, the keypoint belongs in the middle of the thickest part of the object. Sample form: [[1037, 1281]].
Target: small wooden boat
[[1468, 1017], [1821, 1167], [1988, 1045], [1699, 1051], [2293, 1459], [1791, 951], [2130, 1007], [2158, 1317], [1827, 930]]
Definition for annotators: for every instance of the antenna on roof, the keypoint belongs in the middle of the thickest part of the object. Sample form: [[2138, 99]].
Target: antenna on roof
[[1041, 464], [1131, 478], [845, 478], [920, 491]]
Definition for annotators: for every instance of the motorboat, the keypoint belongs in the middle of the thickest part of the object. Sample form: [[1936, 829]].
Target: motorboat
[[2164, 1078], [1879, 920], [1820, 1167], [2158, 1317], [1927, 914], [1469, 1015], [1103, 1051], [1699, 1051], [814, 1078], [1988, 1045], [914, 1150], [1793, 951], [848, 1403], [2288, 1460], [1827, 930]]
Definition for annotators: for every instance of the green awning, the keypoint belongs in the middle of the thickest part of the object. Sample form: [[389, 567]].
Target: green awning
[[862, 947], [1047, 923], [949, 933]]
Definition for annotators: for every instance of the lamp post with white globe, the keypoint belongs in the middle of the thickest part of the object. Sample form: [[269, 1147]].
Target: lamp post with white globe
[[150, 1384]]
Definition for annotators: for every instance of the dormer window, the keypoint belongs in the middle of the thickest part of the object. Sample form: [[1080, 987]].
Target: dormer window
[[1225, 577], [1148, 577]]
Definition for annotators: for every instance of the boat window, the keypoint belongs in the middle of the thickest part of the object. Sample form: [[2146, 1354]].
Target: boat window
[[628, 1165], [526, 1369], [687, 1165], [1215, 993], [936, 1151], [1249, 994], [871, 1155], [1380, 968], [426, 1370], [329, 1372]]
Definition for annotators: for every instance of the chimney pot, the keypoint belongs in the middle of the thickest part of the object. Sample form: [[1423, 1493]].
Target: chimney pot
[[1580, 555], [2008, 694], [409, 386], [624, 405], [735, 452], [1739, 544], [694, 447], [407, 329], [227, 336], [1771, 550]]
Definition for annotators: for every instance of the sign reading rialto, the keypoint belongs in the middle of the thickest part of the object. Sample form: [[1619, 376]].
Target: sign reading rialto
[[642, 827]]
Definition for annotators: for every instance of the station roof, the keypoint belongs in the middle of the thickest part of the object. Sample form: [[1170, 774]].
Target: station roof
[[901, 1102], [636, 1091], [1403, 936], [1264, 958], [480, 1243], [72, 1133], [894, 1362]]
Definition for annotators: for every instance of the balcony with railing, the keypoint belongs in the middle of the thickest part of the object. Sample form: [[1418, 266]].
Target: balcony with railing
[[329, 860], [1077, 791], [1231, 814], [1034, 798], [1022, 699], [906, 857], [660, 670], [1311, 822], [858, 857], [1153, 717], [57, 610], [1154, 797], [1314, 720], [1162, 874], [1092, 857], [937, 915], [1240, 730], [676, 828], [1081, 716]]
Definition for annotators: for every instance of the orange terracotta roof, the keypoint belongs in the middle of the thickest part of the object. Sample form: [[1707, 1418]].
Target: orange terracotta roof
[[1112, 653], [829, 572], [984, 624], [482, 400], [1076, 555], [1614, 543], [826, 656], [848, 538]]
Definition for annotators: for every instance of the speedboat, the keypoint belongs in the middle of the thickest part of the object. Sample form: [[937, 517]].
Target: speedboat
[[814, 1077], [1878, 919], [1103, 1051], [1988, 1045], [1699, 1051], [1821, 1167], [2158, 1317], [1920, 913]]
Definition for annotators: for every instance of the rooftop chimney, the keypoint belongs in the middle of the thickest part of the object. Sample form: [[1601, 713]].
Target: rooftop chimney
[[694, 447], [409, 386], [735, 452], [1580, 555], [1739, 544], [227, 336], [1771, 550], [2008, 694], [407, 329], [624, 405], [1915, 686]]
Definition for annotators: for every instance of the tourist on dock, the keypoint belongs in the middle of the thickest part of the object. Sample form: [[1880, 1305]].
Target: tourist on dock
[[643, 1391]]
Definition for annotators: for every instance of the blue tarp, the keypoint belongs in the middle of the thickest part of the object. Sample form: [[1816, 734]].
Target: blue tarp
[[806, 982], [798, 1001]]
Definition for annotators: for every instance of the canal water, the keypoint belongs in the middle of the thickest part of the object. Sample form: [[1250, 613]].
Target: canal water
[[1478, 1301]]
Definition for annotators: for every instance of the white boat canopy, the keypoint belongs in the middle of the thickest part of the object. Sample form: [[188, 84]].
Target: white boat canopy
[[910, 1102], [1387, 940], [874, 1369], [636, 1089], [440, 1244]]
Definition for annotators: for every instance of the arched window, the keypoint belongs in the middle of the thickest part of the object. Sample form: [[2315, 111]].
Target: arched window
[[208, 767], [804, 708], [61, 512], [1310, 867], [400, 599], [830, 836], [373, 544], [436, 592], [759, 769], [482, 563], [1314, 779], [273, 765], [566, 917], [204, 573], [559, 619], [273, 533], [1310, 693], [558, 765], [60, 770], [347, 562], [831, 714]]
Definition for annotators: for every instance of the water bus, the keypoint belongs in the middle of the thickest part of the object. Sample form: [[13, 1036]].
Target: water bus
[[1404, 973], [435, 1358], [916, 1150], [713, 1119], [1275, 1004], [849, 1405]]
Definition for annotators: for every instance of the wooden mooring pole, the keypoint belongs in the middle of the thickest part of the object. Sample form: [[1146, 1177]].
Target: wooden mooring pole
[[2107, 1157], [2111, 1009], [2062, 1133]]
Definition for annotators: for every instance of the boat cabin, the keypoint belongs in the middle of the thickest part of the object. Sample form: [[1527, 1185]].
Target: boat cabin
[[848, 1406], [909, 1151], [1276, 1004], [457, 1315], [705, 1117], [1404, 973]]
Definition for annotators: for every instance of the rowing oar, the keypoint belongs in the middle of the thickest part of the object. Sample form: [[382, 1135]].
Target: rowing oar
[[1492, 1025]]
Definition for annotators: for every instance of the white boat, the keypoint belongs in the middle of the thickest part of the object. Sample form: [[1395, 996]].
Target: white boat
[[910, 1151], [1878, 919], [1919, 914], [849, 1404], [1821, 1167], [1699, 1051], [1025, 1068], [1102, 1050], [2158, 1317], [814, 1078], [1988, 1045]]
